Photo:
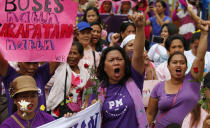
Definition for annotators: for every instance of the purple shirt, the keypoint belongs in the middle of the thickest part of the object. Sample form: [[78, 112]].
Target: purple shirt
[[42, 76], [118, 108], [187, 98], [41, 118], [156, 28]]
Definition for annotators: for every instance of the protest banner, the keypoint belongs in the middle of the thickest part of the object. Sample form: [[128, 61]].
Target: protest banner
[[36, 30], [147, 90], [111, 23], [88, 118]]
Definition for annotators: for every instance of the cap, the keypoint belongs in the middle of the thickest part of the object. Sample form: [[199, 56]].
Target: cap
[[206, 81], [22, 84], [83, 25], [127, 39]]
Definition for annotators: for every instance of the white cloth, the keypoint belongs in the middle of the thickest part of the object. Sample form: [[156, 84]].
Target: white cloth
[[186, 121], [127, 39], [191, 58], [57, 91], [158, 54]]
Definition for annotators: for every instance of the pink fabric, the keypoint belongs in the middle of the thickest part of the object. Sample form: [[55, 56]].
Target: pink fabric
[[174, 16], [183, 2], [163, 72], [186, 121]]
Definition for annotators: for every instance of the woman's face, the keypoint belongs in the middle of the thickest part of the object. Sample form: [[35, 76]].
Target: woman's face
[[129, 30], [84, 37], [28, 68], [73, 57], [141, 4], [96, 33], [177, 66], [159, 8], [164, 33], [129, 47], [29, 96], [194, 46], [114, 66], [126, 5], [176, 46], [107, 6], [91, 16]]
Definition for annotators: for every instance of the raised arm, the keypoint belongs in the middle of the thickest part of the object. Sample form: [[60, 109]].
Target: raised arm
[[159, 20], [3, 66], [198, 64], [53, 67], [139, 42]]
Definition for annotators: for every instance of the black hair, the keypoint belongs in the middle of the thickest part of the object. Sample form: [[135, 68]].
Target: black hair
[[94, 9], [163, 3], [195, 36], [96, 23], [206, 80], [174, 37], [172, 29], [176, 53], [147, 45], [173, 125], [79, 47], [124, 26], [101, 74]]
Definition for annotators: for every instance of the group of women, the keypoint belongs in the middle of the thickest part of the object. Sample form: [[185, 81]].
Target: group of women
[[121, 67]]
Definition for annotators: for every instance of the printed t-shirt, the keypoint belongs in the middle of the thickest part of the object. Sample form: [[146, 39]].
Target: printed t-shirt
[[186, 100], [41, 77], [118, 108], [41, 118]]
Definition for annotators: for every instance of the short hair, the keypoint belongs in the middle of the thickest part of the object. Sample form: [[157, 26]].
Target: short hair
[[101, 74], [94, 9], [176, 53], [172, 29], [195, 36], [79, 47], [174, 37]]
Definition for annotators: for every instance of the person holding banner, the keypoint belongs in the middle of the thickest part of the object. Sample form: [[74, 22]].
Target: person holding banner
[[41, 74], [24, 92], [177, 96], [122, 83]]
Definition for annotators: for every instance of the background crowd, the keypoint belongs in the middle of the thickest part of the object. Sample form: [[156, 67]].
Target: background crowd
[[163, 43]]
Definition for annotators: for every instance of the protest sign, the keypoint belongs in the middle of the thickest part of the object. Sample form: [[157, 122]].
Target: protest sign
[[88, 118], [38, 30], [147, 90]]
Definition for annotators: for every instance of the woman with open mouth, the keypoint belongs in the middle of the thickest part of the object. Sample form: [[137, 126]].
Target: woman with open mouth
[[173, 99], [122, 83], [24, 92]]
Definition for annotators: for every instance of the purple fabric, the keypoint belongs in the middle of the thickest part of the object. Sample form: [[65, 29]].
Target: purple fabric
[[209, 41], [118, 107], [135, 93], [156, 28], [187, 98], [42, 76], [174, 16], [183, 2], [40, 119]]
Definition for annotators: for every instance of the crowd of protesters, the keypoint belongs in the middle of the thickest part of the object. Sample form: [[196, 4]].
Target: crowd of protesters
[[156, 43]]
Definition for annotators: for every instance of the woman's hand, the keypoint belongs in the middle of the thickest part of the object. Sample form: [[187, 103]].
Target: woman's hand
[[206, 123], [68, 115], [114, 39], [203, 26], [138, 19]]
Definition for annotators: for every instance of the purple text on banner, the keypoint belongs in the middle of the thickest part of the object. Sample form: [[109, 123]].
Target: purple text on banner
[[36, 30]]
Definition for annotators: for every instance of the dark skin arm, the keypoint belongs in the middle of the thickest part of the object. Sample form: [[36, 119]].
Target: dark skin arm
[[152, 109]]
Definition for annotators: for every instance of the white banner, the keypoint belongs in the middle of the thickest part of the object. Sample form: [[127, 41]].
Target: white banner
[[88, 118]]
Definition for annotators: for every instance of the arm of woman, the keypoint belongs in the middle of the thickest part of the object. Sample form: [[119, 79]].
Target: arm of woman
[[139, 42], [159, 20], [4, 66], [198, 64], [152, 109], [53, 67]]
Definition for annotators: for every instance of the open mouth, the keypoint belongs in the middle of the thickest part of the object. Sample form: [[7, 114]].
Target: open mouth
[[178, 70], [117, 72]]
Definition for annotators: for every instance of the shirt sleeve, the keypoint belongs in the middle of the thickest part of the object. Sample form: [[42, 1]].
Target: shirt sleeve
[[44, 72], [138, 78], [156, 91]]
